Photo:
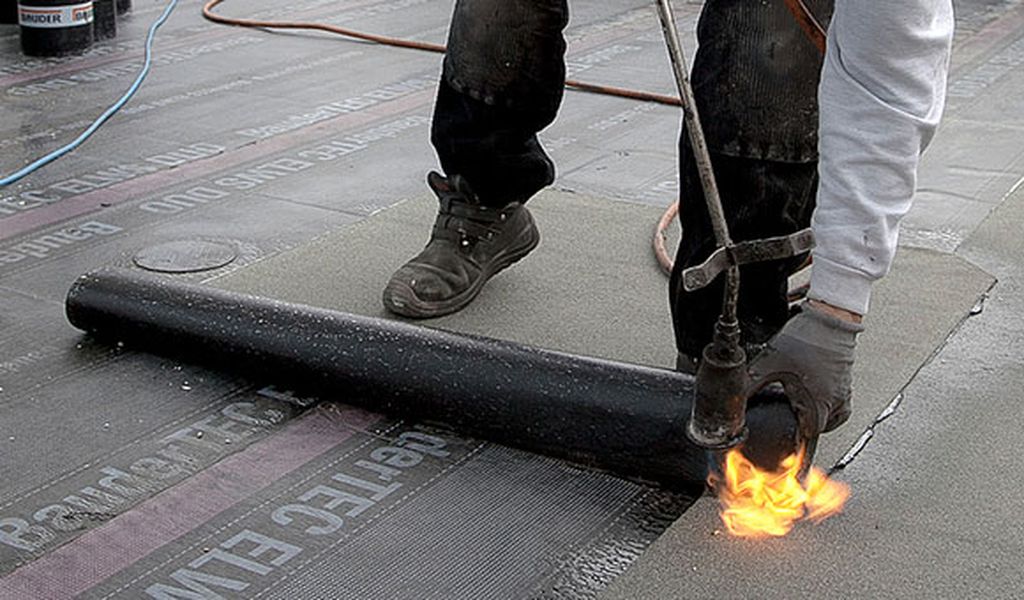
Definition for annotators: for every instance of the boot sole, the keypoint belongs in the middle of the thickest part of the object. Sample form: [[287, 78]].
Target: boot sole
[[408, 305]]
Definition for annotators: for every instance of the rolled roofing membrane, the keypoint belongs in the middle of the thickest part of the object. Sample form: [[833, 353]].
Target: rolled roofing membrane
[[474, 467], [614, 416]]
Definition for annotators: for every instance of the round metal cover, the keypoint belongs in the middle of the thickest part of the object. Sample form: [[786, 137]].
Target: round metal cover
[[185, 256]]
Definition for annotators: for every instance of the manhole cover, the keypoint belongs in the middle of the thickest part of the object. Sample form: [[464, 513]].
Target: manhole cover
[[187, 256]]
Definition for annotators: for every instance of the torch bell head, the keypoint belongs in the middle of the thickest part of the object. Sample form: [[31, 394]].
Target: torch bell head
[[718, 420]]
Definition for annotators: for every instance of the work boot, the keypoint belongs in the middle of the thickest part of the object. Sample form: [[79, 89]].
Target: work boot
[[470, 243]]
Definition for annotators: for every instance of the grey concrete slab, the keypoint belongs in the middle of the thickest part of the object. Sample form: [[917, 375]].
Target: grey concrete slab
[[974, 15], [592, 287], [914, 309], [972, 159], [940, 220]]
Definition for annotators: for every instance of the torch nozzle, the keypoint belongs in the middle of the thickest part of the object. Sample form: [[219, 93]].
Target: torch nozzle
[[719, 416]]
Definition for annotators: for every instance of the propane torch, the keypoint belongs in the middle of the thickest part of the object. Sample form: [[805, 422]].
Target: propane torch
[[718, 418]]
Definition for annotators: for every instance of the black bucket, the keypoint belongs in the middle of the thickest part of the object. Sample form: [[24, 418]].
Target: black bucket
[[8, 12], [105, 19], [55, 27], [123, 6]]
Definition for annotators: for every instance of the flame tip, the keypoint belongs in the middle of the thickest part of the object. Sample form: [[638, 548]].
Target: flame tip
[[758, 503]]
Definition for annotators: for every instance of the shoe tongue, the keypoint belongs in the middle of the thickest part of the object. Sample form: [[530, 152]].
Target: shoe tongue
[[438, 183]]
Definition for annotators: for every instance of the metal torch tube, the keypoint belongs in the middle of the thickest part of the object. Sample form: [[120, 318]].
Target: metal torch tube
[[701, 154]]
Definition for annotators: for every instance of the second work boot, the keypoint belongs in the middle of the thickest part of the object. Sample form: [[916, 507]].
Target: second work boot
[[469, 244]]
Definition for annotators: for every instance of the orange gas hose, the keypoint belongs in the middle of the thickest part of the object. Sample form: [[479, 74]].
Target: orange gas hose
[[423, 46], [660, 253], [805, 18]]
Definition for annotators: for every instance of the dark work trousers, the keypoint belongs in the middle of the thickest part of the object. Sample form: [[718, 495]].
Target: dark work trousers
[[502, 83], [503, 80], [761, 198]]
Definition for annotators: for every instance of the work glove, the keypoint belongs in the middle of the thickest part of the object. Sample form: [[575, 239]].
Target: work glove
[[812, 357]]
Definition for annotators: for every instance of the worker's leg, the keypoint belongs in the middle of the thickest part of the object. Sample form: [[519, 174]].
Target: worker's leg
[[502, 83], [755, 78], [761, 199]]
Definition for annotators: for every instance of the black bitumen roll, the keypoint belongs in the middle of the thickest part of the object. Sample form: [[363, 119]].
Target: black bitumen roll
[[105, 19], [615, 416], [55, 27], [8, 12]]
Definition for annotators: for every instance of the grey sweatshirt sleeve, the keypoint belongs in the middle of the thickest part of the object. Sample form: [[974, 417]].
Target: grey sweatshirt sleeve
[[881, 97]]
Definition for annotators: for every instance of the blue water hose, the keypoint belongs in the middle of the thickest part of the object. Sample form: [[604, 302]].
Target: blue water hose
[[147, 63]]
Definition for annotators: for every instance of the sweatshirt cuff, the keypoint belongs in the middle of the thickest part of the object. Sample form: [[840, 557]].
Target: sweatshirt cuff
[[840, 286]]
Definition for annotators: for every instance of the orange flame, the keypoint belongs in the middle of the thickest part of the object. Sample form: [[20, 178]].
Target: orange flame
[[758, 503]]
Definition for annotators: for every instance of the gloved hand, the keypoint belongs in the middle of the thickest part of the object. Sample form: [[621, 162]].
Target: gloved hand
[[812, 357]]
